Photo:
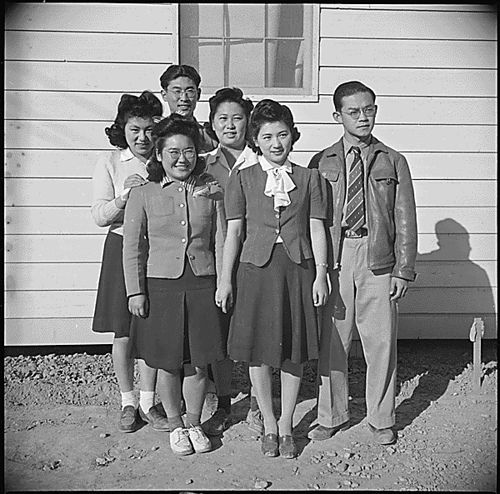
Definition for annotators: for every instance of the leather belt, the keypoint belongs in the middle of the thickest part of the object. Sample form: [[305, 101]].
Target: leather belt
[[362, 232]]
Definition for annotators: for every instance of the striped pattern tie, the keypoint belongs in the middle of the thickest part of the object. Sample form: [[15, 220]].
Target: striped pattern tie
[[355, 212]]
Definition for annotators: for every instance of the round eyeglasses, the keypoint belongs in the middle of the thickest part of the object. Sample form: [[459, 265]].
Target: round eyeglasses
[[189, 92], [175, 154], [368, 111]]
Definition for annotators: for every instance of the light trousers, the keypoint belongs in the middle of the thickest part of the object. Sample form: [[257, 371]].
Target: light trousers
[[359, 297]]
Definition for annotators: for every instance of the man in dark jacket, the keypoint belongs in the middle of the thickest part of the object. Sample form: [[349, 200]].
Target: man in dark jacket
[[373, 246]]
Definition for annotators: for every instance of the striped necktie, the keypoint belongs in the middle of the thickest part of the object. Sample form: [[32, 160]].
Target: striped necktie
[[355, 212]]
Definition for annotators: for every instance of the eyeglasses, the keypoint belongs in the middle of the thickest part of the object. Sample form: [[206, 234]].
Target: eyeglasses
[[175, 154], [189, 92], [368, 111]]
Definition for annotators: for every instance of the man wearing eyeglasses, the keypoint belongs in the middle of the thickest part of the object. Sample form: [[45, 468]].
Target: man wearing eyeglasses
[[373, 246], [181, 91]]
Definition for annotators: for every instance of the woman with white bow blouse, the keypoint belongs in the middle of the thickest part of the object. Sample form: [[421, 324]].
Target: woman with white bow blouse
[[276, 210]]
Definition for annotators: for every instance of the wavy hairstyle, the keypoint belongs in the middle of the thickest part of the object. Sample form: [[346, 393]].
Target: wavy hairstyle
[[266, 111], [228, 94], [147, 105], [172, 125]]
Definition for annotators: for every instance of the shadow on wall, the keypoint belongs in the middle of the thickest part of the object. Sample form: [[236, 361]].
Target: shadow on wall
[[451, 286], [446, 269]]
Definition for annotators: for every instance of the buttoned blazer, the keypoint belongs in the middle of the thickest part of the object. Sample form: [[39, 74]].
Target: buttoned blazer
[[164, 225], [245, 199]]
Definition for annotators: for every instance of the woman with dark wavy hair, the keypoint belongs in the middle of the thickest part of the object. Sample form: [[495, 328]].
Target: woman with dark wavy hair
[[173, 231], [228, 125], [116, 173], [275, 212]]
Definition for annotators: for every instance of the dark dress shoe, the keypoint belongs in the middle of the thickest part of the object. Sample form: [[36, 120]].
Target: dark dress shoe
[[383, 436], [155, 418], [269, 445], [320, 432], [287, 447], [128, 419]]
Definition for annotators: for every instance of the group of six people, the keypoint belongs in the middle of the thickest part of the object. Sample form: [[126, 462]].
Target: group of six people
[[221, 249]]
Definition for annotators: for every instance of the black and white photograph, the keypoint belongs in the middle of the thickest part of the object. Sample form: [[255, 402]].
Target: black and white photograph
[[250, 247]]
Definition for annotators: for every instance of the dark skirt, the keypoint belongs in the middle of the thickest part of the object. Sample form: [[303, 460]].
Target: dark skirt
[[111, 312], [183, 324], [274, 316]]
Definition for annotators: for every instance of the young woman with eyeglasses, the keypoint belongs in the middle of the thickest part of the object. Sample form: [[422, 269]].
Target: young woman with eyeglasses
[[173, 230]]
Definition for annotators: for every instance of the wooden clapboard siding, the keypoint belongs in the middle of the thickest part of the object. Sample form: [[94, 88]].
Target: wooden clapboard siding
[[51, 163], [66, 68], [77, 192], [84, 276], [452, 138], [77, 220], [99, 47], [418, 82], [456, 54], [100, 107], [76, 331], [88, 248], [44, 163], [54, 248], [84, 17], [54, 331], [422, 60], [80, 76], [394, 24], [433, 68], [75, 303], [436, 165]]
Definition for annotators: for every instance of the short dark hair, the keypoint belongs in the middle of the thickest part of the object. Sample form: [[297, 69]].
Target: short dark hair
[[348, 89], [174, 124], [175, 71], [232, 94], [269, 110], [147, 105]]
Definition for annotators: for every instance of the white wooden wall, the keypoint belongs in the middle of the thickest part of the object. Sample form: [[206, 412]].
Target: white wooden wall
[[66, 66], [433, 68]]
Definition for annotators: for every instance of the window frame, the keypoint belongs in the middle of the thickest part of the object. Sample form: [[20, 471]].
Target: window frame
[[279, 93]]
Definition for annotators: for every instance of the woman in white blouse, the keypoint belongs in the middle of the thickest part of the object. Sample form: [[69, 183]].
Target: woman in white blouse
[[115, 174]]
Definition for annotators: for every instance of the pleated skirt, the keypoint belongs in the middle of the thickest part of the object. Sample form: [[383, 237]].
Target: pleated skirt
[[111, 312], [274, 317], [183, 324]]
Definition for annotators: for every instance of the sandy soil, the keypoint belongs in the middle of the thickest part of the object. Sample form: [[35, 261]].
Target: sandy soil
[[60, 432]]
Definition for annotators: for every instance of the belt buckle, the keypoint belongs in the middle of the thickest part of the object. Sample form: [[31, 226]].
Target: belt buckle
[[351, 234]]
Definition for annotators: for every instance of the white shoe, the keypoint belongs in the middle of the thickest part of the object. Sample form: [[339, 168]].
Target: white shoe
[[199, 440], [180, 443]]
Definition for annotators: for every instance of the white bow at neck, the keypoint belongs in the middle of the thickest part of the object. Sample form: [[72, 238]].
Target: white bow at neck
[[278, 183]]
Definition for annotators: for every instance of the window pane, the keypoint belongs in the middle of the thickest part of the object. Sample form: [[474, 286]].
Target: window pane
[[291, 20], [206, 56], [245, 20], [284, 63], [245, 59], [201, 19]]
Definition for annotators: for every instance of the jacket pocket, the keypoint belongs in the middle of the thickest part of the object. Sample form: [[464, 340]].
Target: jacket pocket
[[384, 175], [330, 175]]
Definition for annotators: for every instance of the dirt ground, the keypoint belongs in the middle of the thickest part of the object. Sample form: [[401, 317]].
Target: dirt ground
[[61, 413]]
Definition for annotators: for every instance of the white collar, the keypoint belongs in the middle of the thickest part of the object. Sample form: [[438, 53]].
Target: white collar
[[265, 165], [126, 155], [245, 159]]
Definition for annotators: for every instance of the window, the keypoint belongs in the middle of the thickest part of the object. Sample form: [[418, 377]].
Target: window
[[265, 49]]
